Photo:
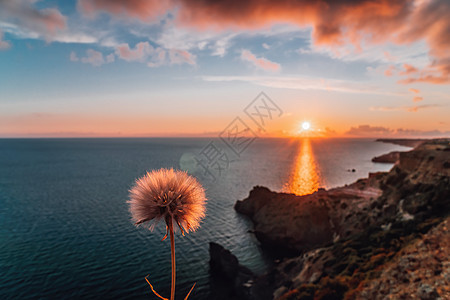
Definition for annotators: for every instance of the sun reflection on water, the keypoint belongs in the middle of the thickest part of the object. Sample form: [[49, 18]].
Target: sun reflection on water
[[304, 178]]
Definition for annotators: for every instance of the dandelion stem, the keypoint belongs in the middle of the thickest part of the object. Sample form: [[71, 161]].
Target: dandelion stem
[[187, 296], [153, 290], [172, 252]]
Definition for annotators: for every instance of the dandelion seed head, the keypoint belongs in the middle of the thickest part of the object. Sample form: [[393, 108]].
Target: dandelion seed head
[[167, 194]]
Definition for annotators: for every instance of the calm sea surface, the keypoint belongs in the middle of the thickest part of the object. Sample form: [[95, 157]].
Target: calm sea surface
[[65, 230]]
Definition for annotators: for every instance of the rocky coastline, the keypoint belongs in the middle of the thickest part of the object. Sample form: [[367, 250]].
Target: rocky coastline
[[382, 235], [389, 158], [404, 142]]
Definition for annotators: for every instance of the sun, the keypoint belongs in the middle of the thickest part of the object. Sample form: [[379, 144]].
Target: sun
[[306, 125], [306, 129]]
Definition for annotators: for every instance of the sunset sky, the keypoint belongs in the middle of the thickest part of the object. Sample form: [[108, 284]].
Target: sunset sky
[[189, 67]]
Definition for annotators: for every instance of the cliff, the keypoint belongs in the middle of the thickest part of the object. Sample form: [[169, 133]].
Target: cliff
[[347, 242], [288, 224], [390, 158], [404, 142]]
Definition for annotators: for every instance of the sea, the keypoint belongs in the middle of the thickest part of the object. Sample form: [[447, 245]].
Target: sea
[[65, 228]]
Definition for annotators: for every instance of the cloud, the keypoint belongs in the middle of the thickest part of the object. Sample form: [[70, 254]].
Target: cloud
[[3, 44], [423, 133], [414, 108], [390, 71], [154, 57], [140, 52], [337, 23], [375, 131], [389, 56], [416, 98], [175, 37], [110, 58], [261, 62], [334, 23], [439, 74], [74, 37], [306, 83], [67, 35], [415, 52], [92, 57], [177, 57], [367, 130], [265, 46], [219, 48], [408, 70], [144, 10], [159, 58], [73, 56], [44, 23]]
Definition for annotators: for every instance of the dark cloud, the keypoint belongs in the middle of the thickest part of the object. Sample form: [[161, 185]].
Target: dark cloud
[[380, 131]]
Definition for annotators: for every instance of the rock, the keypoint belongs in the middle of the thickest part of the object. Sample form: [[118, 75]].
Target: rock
[[404, 142], [222, 262], [390, 158], [287, 224], [427, 292], [231, 280], [392, 227], [421, 185], [417, 268], [417, 186], [419, 165], [280, 220], [280, 291], [264, 196]]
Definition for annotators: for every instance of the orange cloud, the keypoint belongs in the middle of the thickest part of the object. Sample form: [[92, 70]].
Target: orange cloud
[[52, 20], [414, 108], [333, 22], [430, 21], [439, 73], [141, 51], [144, 10], [144, 52], [417, 99], [409, 69], [261, 62], [389, 56], [415, 91], [389, 71]]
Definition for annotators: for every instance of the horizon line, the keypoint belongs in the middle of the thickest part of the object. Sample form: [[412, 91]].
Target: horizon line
[[217, 136]]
